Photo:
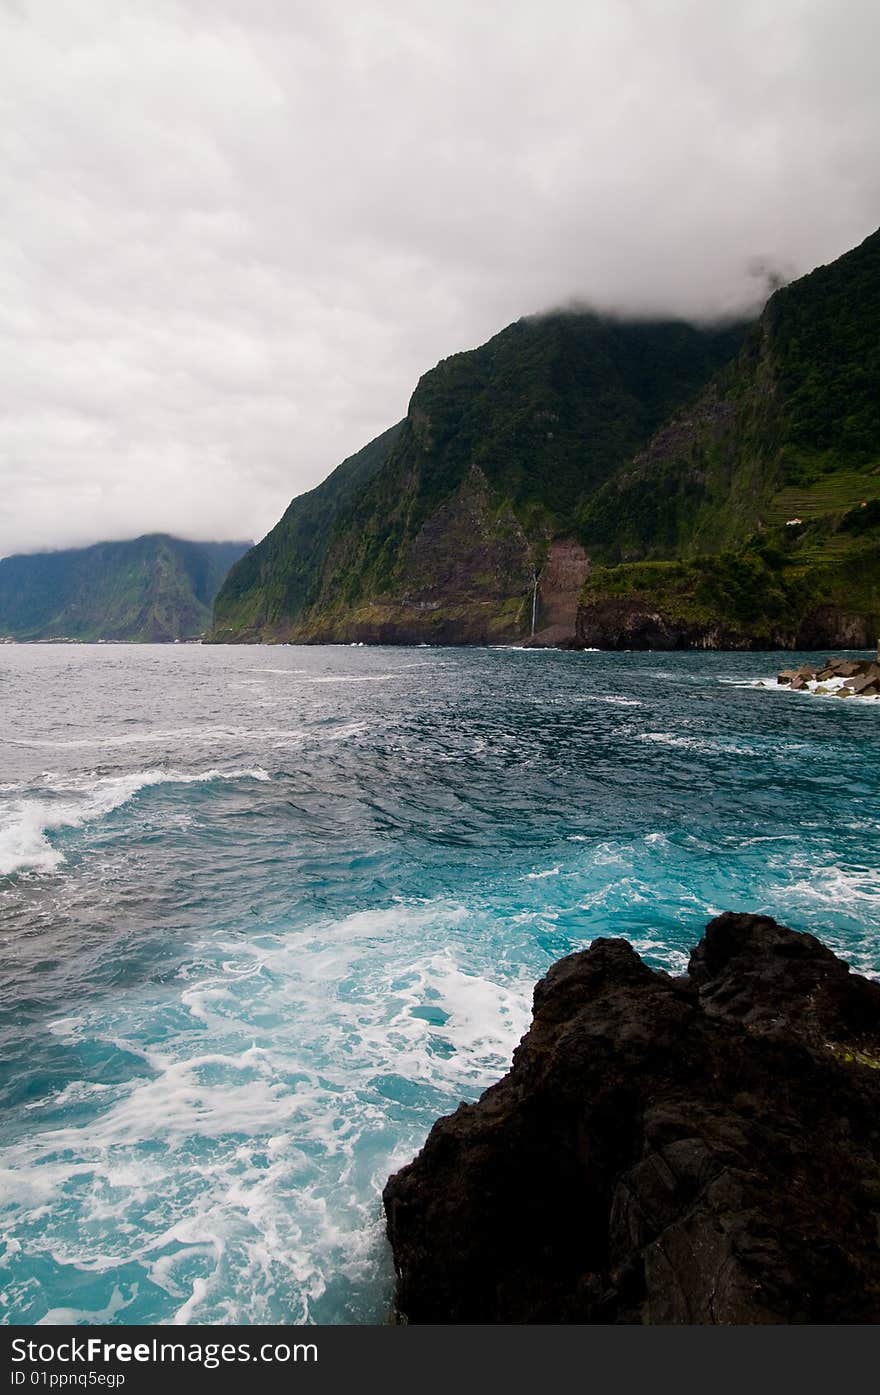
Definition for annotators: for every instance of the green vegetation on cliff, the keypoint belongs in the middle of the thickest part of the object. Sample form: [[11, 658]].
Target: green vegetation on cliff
[[786, 592], [280, 578], [152, 589], [742, 463], [766, 489], [437, 528]]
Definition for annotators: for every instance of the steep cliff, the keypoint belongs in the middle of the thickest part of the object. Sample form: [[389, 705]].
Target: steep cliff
[[712, 487], [438, 530], [765, 491], [703, 1149]]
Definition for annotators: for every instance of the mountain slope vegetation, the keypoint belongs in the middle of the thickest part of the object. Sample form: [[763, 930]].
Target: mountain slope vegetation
[[438, 529], [765, 491], [723, 484], [152, 589]]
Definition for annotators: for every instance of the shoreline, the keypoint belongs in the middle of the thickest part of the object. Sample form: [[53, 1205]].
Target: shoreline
[[523, 646], [692, 1150]]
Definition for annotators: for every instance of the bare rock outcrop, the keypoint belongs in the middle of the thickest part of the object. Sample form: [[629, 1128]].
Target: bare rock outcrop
[[703, 1149], [616, 622]]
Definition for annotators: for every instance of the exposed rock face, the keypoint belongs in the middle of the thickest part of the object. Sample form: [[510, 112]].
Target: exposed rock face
[[467, 579], [467, 551], [637, 624], [559, 588], [694, 1150], [830, 627], [622, 623]]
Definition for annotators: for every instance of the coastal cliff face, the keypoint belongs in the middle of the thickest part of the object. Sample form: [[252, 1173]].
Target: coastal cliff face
[[558, 590], [696, 1150], [706, 487], [618, 623], [752, 519], [436, 531]]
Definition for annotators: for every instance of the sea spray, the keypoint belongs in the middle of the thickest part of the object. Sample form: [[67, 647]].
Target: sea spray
[[296, 922]]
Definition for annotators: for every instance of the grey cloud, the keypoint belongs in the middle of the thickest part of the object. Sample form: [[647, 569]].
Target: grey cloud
[[234, 232]]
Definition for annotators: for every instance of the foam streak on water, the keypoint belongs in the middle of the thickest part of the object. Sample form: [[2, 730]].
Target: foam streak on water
[[267, 913]]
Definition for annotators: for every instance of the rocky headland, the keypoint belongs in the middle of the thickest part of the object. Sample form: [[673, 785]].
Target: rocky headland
[[702, 1149]]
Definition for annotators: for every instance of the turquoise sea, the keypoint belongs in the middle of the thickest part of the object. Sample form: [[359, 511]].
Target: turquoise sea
[[267, 912]]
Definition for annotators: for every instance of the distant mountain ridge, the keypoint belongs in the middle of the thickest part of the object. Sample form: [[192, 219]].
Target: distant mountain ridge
[[151, 589]]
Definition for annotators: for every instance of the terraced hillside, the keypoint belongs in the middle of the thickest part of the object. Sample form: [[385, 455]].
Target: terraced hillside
[[763, 498]]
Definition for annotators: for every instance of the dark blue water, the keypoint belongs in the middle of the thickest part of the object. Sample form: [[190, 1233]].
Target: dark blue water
[[266, 913]]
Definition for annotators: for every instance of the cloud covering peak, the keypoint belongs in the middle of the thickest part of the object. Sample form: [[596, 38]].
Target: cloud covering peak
[[235, 232]]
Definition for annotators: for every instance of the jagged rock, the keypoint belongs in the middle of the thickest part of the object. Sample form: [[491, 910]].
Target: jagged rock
[[640, 622], [829, 626], [616, 623], [695, 1150]]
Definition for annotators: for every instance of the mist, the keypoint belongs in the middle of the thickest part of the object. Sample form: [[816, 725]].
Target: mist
[[235, 232]]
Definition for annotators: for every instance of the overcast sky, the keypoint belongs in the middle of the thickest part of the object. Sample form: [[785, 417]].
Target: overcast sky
[[233, 233]]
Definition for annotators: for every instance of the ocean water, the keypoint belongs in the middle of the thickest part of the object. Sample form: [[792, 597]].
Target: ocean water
[[267, 912]]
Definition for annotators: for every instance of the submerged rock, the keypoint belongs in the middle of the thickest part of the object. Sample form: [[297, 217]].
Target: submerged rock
[[703, 1149]]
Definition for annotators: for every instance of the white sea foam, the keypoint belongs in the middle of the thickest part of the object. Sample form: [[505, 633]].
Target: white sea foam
[[310, 679], [242, 1176], [76, 1092], [835, 886], [26, 823], [614, 700], [62, 1317], [485, 1019], [828, 687], [680, 741], [656, 840], [164, 737]]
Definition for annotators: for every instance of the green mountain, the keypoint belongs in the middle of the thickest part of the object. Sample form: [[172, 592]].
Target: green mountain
[[279, 579], [438, 529], [584, 480], [753, 516], [155, 588]]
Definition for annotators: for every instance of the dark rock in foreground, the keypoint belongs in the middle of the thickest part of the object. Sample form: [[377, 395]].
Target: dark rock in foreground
[[694, 1150]]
